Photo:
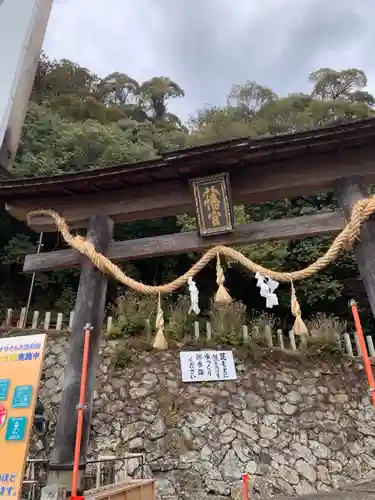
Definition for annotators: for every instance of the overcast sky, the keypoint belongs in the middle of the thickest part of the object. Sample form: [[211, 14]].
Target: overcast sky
[[207, 45]]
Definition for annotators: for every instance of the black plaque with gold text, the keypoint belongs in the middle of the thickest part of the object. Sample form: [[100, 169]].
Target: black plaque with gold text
[[213, 204]]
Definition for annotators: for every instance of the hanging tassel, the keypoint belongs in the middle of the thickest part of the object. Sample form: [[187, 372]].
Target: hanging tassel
[[299, 327], [222, 296], [160, 341]]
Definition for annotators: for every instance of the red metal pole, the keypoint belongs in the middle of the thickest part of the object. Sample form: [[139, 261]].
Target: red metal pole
[[81, 409], [245, 479], [365, 356]]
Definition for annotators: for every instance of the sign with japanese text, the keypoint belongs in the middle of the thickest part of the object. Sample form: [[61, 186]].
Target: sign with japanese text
[[20, 369], [213, 204], [206, 366]]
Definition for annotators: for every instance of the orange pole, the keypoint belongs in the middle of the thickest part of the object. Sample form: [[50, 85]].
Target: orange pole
[[245, 478], [365, 356], [81, 410]]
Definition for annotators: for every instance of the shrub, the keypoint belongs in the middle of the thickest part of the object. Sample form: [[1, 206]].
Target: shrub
[[132, 313]]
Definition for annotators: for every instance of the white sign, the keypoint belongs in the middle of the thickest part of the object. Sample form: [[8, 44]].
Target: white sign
[[205, 366], [22, 28]]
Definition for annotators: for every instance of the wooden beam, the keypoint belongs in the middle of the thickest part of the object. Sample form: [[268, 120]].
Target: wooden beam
[[250, 184], [123, 205], [255, 232], [90, 305], [348, 191]]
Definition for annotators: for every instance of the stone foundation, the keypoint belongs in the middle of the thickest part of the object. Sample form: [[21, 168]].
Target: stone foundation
[[299, 425]]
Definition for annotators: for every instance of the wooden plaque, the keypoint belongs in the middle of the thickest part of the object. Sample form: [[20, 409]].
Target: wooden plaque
[[213, 204]]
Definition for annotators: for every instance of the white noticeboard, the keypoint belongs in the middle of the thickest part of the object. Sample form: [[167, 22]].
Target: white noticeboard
[[22, 28], [206, 366]]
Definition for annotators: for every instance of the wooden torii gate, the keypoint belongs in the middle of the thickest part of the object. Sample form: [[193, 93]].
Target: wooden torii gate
[[339, 159]]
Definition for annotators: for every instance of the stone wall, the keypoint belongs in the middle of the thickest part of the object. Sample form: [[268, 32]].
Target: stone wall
[[300, 424]]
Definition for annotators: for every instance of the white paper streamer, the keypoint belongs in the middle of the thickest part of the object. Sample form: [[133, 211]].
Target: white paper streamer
[[267, 288], [194, 297]]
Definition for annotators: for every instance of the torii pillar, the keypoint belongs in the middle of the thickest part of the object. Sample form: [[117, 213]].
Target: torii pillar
[[349, 190], [89, 308]]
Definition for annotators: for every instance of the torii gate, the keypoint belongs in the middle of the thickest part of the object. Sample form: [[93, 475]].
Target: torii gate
[[337, 158]]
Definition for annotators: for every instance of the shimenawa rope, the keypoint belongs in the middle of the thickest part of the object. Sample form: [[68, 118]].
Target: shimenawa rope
[[361, 212]]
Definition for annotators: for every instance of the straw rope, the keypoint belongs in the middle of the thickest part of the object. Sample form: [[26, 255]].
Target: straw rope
[[361, 212]]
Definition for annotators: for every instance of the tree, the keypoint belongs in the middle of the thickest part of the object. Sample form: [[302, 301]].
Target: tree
[[250, 98], [51, 144], [118, 88], [362, 97], [288, 114], [216, 124], [57, 78], [44, 67], [154, 96], [331, 85]]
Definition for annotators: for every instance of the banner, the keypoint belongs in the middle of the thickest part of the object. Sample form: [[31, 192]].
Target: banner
[[21, 361]]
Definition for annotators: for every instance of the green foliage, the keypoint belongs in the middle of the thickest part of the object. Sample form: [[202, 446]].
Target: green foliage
[[250, 99], [121, 358], [132, 312], [76, 145], [227, 319], [331, 85], [154, 95], [179, 322], [324, 342], [323, 349], [136, 315], [16, 249], [118, 88], [128, 327], [66, 301]]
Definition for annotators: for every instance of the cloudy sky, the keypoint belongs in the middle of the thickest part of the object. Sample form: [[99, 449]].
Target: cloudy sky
[[207, 45]]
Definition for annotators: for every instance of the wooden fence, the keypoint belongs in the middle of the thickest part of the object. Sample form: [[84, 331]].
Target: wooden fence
[[47, 321], [58, 322], [347, 341]]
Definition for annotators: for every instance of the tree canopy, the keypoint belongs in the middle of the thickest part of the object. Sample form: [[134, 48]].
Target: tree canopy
[[77, 120]]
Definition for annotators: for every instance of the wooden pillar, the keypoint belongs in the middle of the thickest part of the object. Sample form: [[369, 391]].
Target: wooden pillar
[[348, 191], [89, 308]]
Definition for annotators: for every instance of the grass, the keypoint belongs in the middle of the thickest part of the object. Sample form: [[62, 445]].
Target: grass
[[136, 323]]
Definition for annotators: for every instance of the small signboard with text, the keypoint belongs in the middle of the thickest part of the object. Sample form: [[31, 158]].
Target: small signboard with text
[[207, 366], [20, 369]]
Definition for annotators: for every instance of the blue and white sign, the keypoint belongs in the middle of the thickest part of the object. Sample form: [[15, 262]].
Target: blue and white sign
[[16, 429], [22, 396], [4, 389]]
